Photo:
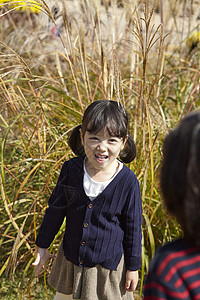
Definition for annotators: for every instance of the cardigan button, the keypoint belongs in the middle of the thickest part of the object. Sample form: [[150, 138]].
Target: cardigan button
[[90, 205], [86, 225], [83, 243]]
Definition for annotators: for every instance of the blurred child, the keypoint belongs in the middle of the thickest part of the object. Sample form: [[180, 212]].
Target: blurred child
[[175, 270], [100, 253]]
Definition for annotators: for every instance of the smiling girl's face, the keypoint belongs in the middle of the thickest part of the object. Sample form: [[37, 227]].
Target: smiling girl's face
[[101, 150]]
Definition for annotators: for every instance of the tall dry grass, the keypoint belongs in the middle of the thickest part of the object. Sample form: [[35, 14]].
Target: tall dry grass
[[116, 51]]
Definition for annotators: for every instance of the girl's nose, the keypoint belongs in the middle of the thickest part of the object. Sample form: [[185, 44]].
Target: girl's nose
[[102, 146]]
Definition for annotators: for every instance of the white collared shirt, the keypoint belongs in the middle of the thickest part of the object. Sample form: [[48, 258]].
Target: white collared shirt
[[93, 188]]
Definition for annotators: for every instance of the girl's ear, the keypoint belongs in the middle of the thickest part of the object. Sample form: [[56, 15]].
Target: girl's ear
[[124, 143], [81, 135]]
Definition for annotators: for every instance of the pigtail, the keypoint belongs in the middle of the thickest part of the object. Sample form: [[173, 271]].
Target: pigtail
[[74, 142], [128, 154]]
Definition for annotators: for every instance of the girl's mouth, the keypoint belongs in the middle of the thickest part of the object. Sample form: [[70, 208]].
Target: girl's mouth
[[101, 158]]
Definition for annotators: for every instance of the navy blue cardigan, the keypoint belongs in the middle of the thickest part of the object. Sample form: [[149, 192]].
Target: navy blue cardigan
[[98, 231]]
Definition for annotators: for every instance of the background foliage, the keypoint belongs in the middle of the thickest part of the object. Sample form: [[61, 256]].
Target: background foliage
[[52, 65]]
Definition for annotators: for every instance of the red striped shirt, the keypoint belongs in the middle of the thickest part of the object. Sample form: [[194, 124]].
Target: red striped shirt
[[174, 273]]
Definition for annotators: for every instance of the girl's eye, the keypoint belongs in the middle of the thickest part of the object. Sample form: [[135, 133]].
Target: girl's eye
[[94, 138], [113, 141]]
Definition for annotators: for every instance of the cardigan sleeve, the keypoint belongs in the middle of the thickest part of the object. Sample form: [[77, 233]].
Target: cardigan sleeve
[[55, 213], [132, 219]]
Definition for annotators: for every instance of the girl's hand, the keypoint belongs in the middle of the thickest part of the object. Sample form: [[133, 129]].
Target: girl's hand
[[131, 280], [41, 258]]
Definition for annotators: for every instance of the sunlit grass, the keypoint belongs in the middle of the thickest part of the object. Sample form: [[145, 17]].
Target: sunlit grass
[[43, 92]]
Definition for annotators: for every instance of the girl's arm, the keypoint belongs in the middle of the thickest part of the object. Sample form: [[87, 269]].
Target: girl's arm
[[55, 213], [131, 280], [52, 221], [132, 221], [41, 258]]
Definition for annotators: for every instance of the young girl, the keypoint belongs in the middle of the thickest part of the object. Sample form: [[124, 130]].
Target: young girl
[[100, 253], [175, 270]]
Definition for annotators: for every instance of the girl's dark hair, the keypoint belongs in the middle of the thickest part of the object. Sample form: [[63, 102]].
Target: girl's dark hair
[[180, 175], [107, 114]]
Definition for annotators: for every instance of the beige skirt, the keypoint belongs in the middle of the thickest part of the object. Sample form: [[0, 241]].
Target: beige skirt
[[84, 283]]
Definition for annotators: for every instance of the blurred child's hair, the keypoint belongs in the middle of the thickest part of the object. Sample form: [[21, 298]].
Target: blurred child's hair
[[180, 175], [109, 115]]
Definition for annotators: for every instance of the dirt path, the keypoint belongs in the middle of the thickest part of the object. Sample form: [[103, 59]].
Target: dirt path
[[179, 19]]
